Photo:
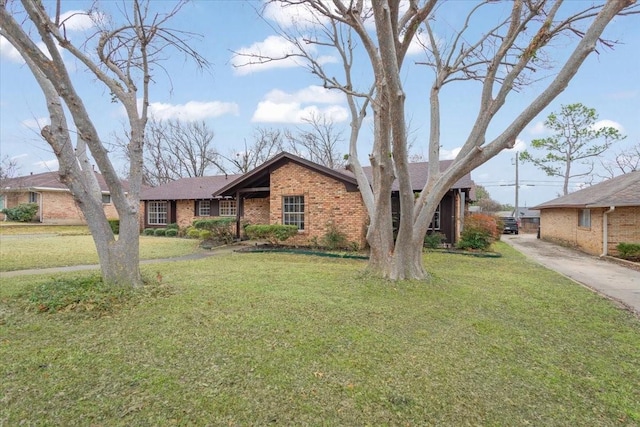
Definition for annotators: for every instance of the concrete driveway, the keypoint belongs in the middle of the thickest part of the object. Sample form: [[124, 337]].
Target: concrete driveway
[[617, 282]]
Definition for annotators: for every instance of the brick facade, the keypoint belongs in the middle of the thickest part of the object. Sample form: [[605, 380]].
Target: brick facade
[[326, 200], [56, 207], [560, 225]]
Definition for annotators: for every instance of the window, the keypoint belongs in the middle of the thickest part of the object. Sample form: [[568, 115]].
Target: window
[[157, 213], [33, 197], [584, 218], [1, 202], [435, 221], [203, 208], [106, 198], [293, 211], [228, 208]]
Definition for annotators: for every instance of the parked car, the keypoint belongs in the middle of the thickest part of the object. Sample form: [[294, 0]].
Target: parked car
[[510, 225]]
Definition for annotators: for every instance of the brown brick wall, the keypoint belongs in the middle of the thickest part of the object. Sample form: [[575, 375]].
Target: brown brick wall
[[256, 211], [624, 227], [58, 207], [561, 226], [326, 199]]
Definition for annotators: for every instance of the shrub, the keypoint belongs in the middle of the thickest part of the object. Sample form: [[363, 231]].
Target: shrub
[[205, 235], [115, 225], [171, 232], [630, 251], [220, 229], [159, 231], [172, 226], [24, 212], [274, 233], [334, 238], [479, 232], [434, 240], [192, 233], [149, 231]]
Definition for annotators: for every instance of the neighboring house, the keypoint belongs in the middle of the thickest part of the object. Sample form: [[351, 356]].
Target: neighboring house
[[597, 218], [55, 203], [290, 190], [528, 219]]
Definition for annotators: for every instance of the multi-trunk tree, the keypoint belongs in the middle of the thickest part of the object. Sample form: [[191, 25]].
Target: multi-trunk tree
[[497, 45], [121, 58]]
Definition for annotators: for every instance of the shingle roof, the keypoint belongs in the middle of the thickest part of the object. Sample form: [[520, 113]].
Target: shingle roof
[[623, 190], [188, 188], [44, 181], [206, 187]]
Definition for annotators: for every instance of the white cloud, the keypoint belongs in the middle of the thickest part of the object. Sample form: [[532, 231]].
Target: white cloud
[[9, 52], [537, 128], [77, 20], [293, 15], [273, 52], [192, 110], [449, 154], [313, 93], [520, 145], [282, 107], [418, 44], [35, 123], [608, 123], [49, 165]]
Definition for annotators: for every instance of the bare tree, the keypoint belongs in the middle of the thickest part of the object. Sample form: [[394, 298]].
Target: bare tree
[[8, 168], [500, 57], [266, 144], [122, 61], [174, 149], [624, 162], [320, 144], [576, 141]]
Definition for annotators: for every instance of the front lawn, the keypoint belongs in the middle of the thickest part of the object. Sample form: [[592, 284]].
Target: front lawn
[[258, 339], [20, 252]]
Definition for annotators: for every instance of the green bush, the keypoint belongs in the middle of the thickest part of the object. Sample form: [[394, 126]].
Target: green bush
[[149, 231], [434, 240], [479, 232], [205, 235], [172, 226], [171, 232], [629, 251], [192, 233], [220, 229], [115, 225], [159, 231], [334, 238], [274, 233], [24, 212]]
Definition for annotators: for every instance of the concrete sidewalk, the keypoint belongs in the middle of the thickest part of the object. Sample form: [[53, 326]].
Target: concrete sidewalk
[[615, 281]]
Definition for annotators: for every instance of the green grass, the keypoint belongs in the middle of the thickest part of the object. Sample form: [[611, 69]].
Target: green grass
[[255, 339], [15, 228], [19, 252]]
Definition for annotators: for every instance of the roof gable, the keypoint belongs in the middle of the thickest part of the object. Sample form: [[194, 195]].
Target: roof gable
[[623, 190]]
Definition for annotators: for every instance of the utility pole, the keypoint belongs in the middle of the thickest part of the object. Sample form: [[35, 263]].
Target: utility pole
[[517, 213]]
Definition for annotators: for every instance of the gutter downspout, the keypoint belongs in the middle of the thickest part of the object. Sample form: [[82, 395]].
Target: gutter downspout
[[605, 231]]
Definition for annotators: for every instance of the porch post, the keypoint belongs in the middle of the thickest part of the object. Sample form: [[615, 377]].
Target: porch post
[[238, 207]]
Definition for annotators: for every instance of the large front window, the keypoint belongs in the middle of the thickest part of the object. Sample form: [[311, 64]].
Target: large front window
[[203, 208], [33, 197], [157, 213], [228, 208], [293, 211]]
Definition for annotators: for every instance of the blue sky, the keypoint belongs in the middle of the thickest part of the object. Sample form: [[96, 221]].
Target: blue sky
[[235, 101]]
